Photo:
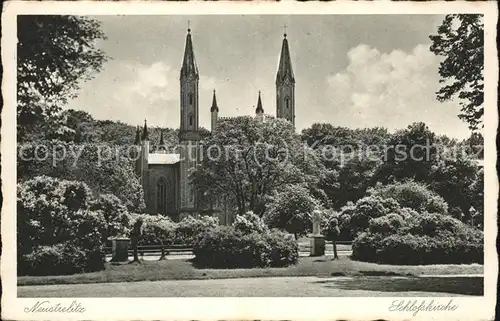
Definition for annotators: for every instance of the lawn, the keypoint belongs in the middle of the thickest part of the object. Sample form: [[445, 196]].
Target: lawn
[[308, 266]]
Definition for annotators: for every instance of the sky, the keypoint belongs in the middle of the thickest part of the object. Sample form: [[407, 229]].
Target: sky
[[350, 70]]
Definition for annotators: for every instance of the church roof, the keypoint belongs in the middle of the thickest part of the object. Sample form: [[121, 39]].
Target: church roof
[[162, 158], [285, 69], [189, 67]]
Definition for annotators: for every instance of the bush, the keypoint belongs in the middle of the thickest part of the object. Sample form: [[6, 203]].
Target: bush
[[114, 213], [249, 223], [227, 247], [61, 259], [413, 195], [422, 239], [359, 215], [55, 218], [156, 229], [188, 229]]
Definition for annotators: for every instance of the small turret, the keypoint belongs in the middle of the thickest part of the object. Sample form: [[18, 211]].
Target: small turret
[[214, 111], [162, 148], [145, 133], [259, 111]]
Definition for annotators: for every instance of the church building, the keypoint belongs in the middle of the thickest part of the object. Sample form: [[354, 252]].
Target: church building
[[164, 176]]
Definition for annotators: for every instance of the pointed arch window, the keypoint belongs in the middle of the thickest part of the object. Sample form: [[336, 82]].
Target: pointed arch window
[[287, 102], [161, 196], [190, 97], [190, 119]]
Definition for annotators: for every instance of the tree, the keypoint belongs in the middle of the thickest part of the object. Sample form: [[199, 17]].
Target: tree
[[460, 40], [54, 55], [410, 154], [291, 209], [246, 160], [105, 168]]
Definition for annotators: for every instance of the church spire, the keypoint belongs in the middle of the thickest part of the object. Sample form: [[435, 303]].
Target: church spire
[[285, 85], [214, 104], [285, 70], [259, 109], [189, 67], [145, 134]]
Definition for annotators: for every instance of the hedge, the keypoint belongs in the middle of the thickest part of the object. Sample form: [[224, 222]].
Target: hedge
[[227, 247], [425, 239]]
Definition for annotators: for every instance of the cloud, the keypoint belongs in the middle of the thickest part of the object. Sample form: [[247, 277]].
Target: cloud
[[392, 90]]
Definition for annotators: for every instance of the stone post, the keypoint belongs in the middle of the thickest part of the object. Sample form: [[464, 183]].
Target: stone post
[[317, 240], [120, 249]]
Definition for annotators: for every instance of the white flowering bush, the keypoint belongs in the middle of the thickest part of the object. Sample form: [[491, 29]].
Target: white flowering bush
[[62, 227], [250, 222]]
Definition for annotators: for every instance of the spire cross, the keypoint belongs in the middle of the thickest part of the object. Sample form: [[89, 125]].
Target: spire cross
[[189, 25], [284, 30]]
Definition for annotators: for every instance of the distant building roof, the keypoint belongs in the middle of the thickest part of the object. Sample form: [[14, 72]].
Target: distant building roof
[[162, 158]]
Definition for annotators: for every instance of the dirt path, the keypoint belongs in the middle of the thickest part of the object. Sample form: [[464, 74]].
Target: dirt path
[[268, 287]]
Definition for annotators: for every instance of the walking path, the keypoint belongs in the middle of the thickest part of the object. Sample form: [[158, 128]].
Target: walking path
[[263, 287]]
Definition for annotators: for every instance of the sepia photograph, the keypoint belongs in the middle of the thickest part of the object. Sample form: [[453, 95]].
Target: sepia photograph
[[249, 155]]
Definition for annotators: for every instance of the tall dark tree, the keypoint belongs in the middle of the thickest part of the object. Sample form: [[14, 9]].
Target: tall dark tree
[[54, 55], [460, 40]]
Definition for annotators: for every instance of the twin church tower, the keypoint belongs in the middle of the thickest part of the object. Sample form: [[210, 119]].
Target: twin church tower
[[165, 177]]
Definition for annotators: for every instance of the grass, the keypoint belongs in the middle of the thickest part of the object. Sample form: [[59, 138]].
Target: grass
[[308, 266]]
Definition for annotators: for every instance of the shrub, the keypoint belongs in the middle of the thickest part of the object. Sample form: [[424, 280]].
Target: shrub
[[188, 229], [413, 195], [157, 229], [227, 247], [60, 259], [360, 214], [114, 213], [55, 218], [423, 239], [284, 250], [249, 222]]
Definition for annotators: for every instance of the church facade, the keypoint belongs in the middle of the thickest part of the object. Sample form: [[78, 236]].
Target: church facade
[[164, 176]]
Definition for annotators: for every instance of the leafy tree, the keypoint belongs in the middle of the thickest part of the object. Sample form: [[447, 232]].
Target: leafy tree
[[460, 40], [291, 209], [474, 145], [246, 160], [105, 168], [451, 178], [476, 196], [55, 53], [410, 154]]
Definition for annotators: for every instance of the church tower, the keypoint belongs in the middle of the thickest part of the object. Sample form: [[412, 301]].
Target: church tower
[[285, 85], [189, 135]]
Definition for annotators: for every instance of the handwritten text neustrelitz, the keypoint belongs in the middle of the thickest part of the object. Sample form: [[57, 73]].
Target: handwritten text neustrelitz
[[416, 306], [47, 306]]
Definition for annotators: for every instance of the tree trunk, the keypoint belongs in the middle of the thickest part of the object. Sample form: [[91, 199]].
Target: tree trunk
[[135, 248], [335, 255]]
